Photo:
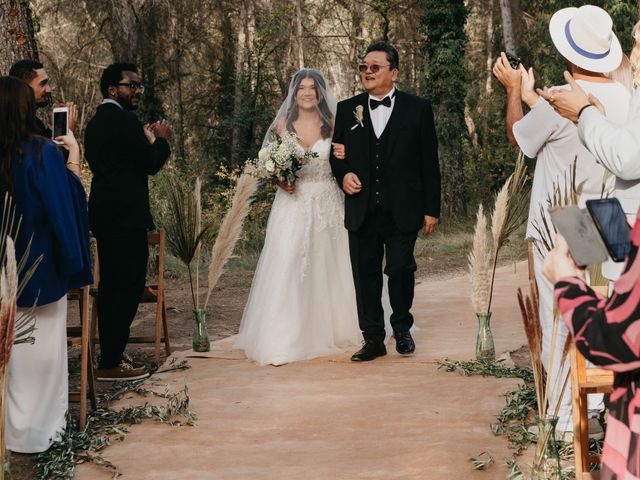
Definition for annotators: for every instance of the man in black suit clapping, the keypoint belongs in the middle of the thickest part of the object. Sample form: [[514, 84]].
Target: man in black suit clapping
[[385, 158], [121, 153]]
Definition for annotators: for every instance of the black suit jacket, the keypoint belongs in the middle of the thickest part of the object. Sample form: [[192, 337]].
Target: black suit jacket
[[410, 167], [121, 159]]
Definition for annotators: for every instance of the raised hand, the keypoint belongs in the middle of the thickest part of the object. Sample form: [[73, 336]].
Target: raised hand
[[505, 74], [148, 132], [527, 86]]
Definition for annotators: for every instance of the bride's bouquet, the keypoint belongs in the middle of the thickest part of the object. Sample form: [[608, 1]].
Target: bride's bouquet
[[280, 159]]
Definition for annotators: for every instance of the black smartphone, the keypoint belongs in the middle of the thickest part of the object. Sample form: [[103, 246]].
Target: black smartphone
[[513, 60], [611, 222]]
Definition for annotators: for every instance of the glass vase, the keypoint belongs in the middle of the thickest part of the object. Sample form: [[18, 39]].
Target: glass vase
[[200, 338], [546, 461], [485, 349]]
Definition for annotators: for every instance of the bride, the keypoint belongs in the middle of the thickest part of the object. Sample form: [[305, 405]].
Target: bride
[[302, 302]]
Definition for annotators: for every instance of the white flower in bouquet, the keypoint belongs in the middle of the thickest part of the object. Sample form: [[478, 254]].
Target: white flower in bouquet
[[270, 166], [280, 159], [263, 155]]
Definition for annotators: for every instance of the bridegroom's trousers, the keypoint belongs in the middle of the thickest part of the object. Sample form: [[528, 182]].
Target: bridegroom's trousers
[[367, 247]]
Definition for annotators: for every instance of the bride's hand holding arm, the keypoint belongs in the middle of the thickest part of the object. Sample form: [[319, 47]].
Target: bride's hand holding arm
[[286, 187], [339, 151]]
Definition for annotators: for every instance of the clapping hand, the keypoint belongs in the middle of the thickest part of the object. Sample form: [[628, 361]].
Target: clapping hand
[[567, 103], [528, 86], [162, 129]]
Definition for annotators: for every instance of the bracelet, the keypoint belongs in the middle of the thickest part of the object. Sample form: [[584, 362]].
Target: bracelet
[[583, 108], [73, 163]]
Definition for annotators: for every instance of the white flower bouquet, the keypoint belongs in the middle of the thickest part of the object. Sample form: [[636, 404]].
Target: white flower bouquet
[[280, 159]]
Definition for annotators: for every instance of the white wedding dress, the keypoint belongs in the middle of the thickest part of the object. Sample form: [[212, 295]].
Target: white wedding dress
[[302, 303]]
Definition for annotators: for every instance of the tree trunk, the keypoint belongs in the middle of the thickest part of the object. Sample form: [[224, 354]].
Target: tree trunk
[[17, 37], [507, 27], [241, 46], [176, 73], [299, 33], [488, 88]]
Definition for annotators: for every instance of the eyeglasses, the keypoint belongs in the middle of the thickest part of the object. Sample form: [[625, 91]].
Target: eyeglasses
[[363, 67], [133, 86]]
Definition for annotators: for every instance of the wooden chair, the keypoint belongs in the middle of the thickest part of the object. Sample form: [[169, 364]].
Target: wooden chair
[[153, 293], [80, 336], [585, 380]]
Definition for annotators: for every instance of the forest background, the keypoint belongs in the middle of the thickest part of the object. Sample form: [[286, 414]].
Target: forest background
[[219, 69]]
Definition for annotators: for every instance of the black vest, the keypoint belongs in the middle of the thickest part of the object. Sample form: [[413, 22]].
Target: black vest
[[379, 189]]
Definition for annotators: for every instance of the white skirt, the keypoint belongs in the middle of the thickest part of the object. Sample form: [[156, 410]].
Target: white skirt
[[38, 383]]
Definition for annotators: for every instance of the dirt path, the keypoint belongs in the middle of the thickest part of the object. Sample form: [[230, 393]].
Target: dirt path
[[398, 418]]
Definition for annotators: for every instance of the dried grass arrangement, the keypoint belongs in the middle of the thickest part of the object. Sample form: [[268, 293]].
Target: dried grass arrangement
[[507, 216], [185, 231], [230, 229], [545, 387], [567, 194], [8, 297]]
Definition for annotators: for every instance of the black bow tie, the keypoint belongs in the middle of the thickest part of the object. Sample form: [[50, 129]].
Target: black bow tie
[[373, 104]]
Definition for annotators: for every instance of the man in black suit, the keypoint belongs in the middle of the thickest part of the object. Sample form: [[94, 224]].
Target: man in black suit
[[121, 153], [385, 158]]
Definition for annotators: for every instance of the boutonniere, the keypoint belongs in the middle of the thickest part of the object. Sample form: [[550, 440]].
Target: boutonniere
[[359, 114]]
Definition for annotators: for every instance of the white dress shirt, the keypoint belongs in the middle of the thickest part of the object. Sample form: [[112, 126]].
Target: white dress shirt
[[380, 116]]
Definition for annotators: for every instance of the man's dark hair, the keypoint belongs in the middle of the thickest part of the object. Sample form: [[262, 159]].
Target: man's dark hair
[[112, 75], [392, 54], [25, 69]]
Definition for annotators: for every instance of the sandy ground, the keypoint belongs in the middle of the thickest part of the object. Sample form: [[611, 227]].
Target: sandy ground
[[393, 418]]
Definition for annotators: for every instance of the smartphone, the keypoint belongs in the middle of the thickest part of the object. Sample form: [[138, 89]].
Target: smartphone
[[611, 222], [513, 60], [60, 122]]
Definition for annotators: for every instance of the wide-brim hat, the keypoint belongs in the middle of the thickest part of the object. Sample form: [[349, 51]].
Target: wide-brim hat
[[585, 37]]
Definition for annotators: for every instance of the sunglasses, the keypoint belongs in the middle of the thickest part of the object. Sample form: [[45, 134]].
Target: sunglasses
[[363, 67], [132, 86]]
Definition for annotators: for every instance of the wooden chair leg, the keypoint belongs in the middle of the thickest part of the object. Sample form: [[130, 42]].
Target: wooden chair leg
[[584, 433], [576, 408], [165, 324], [94, 320], [92, 381], [158, 326]]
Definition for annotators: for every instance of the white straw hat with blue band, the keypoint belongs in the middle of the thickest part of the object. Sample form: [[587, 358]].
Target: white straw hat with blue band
[[584, 36]]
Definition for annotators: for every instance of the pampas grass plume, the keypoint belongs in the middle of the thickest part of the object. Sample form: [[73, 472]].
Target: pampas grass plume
[[499, 216], [479, 261], [230, 229]]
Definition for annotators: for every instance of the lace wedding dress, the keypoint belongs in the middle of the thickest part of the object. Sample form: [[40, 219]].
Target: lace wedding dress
[[302, 303]]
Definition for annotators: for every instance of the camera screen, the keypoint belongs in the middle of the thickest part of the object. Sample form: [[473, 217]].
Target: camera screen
[[59, 124], [612, 225]]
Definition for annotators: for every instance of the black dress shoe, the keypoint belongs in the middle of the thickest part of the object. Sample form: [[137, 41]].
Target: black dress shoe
[[404, 343], [369, 351]]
